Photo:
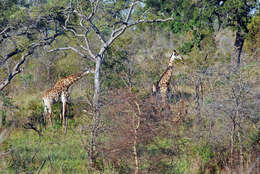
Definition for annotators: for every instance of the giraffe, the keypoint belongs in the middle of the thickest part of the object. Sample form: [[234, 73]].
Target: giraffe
[[60, 93], [162, 86]]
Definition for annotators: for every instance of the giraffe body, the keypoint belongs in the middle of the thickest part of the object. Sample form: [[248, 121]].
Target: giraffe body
[[162, 86], [60, 93]]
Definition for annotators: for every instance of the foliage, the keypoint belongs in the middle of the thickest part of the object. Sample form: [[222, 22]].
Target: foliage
[[252, 42], [168, 138]]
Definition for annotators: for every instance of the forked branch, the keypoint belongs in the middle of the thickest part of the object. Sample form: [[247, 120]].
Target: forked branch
[[73, 49], [87, 23], [18, 66], [16, 70]]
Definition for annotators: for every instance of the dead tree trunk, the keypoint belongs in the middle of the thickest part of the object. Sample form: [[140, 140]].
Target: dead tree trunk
[[232, 147], [241, 160], [136, 125], [197, 99]]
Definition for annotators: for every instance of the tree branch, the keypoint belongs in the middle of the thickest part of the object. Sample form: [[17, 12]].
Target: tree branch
[[94, 9], [73, 31], [88, 48], [67, 48], [93, 26], [150, 21], [9, 55], [117, 32], [17, 68], [7, 29], [130, 11], [73, 49], [40, 168]]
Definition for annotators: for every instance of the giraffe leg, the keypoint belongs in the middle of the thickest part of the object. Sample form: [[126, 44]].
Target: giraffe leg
[[50, 115], [164, 97], [64, 102], [61, 120], [65, 118], [61, 116], [64, 111], [47, 111], [44, 115], [50, 118]]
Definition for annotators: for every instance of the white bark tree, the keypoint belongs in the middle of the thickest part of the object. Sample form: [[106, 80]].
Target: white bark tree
[[88, 24]]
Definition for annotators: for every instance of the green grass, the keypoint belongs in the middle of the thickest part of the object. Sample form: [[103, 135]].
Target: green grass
[[63, 153]]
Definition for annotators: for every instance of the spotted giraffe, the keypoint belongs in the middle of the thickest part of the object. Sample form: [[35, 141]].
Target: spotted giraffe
[[60, 93], [162, 86]]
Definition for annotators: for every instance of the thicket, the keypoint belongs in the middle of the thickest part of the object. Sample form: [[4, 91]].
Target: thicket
[[209, 125]]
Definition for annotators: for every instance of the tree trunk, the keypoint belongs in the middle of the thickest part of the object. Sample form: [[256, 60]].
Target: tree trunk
[[97, 83], [136, 125], [96, 117], [1, 118], [135, 144], [232, 147], [240, 153], [197, 99], [238, 46], [1, 113]]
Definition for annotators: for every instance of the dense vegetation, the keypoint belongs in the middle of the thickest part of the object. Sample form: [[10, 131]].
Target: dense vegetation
[[211, 123]]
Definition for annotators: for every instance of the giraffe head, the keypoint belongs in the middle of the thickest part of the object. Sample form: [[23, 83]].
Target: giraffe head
[[176, 57]]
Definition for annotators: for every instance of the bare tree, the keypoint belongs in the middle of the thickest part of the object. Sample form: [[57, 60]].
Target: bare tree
[[86, 26], [235, 104], [34, 36]]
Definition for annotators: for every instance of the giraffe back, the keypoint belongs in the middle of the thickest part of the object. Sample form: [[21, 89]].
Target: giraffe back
[[52, 95], [165, 78], [66, 82]]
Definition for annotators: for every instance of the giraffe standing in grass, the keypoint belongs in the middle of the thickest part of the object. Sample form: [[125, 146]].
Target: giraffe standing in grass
[[162, 86], [60, 93]]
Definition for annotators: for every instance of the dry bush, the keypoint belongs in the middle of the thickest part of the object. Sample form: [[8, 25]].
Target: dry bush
[[123, 117]]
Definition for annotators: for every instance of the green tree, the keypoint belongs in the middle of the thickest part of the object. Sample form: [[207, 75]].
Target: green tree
[[237, 14], [189, 16], [200, 15]]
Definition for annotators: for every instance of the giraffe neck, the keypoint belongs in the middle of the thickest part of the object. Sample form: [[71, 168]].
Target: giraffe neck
[[66, 82], [74, 78], [173, 57], [170, 64], [165, 78], [171, 61]]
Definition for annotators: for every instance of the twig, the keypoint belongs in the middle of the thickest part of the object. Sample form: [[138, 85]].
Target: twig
[[40, 168], [150, 21], [3, 154], [5, 30], [73, 49], [94, 9], [253, 166]]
